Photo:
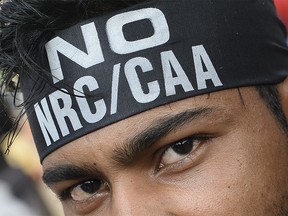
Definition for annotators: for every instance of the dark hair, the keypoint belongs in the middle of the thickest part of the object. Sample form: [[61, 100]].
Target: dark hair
[[270, 95], [26, 25], [5, 127], [5, 119]]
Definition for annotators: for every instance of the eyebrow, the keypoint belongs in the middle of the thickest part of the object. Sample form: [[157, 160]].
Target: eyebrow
[[131, 149], [68, 172]]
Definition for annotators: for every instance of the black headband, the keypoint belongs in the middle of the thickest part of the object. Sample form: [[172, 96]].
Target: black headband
[[148, 55]]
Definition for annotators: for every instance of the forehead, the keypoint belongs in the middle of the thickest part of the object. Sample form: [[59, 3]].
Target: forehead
[[226, 106]]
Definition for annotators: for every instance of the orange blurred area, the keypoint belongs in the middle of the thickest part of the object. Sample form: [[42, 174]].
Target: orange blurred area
[[23, 155]]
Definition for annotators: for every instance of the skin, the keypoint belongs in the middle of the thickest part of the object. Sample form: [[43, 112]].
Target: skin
[[238, 164]]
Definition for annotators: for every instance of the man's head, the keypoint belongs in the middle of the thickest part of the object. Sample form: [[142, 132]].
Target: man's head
[[199, 137]]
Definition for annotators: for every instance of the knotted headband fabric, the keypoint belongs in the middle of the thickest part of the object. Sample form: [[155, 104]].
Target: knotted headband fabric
[[111, 67]]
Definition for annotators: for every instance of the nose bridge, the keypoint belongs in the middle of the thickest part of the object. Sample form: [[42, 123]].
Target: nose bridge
[[132, 195]]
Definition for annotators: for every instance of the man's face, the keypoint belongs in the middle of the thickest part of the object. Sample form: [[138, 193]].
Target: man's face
[[218, 154]]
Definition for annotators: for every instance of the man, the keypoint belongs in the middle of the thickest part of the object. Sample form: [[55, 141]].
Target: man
[[155, 107]]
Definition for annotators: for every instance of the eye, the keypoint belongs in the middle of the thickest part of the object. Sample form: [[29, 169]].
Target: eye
[[85, 190], [180, 150]]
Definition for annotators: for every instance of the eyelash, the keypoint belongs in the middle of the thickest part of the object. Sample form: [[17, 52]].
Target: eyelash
[[66, 194], [203, 138]]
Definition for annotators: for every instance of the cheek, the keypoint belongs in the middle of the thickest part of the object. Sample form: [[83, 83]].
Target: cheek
[[242, 175]]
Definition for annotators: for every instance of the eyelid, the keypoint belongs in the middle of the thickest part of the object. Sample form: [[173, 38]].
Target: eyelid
[[65, 194], [87, 205], [201, 136]]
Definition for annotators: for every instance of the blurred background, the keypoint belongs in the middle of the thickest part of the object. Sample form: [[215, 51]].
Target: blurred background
[[22, 192]]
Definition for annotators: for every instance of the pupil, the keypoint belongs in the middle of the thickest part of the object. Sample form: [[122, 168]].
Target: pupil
[[91, 186], [183, 147]]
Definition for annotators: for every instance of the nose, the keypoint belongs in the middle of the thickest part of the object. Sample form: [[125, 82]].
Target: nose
[[135, 196]]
